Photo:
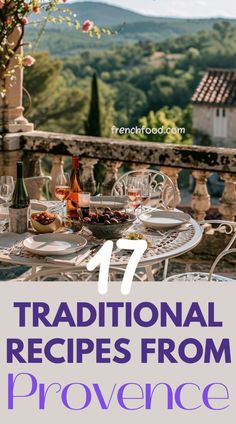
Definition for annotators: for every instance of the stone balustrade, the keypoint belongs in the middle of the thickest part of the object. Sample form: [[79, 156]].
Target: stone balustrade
[[112, 154]]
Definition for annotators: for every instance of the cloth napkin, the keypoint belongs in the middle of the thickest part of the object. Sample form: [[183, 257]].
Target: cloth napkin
[[73, 259], [7, 240]]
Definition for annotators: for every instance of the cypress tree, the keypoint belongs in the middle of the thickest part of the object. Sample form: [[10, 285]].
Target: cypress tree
[[93, 124]]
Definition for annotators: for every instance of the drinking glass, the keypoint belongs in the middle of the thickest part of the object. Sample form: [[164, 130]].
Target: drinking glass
[[145, 190], [84, 203], [138, 191], [62, 189], [6, 188], [133, 190]]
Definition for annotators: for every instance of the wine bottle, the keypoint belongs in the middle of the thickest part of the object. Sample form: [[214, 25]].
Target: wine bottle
[[75, 188], [20, 198], [19, 208]]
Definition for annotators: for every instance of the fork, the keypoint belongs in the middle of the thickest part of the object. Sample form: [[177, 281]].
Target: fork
[[168, 233], [17, 248]]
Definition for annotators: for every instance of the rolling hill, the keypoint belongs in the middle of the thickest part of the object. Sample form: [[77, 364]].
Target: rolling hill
[[106, 15], [131, 27]]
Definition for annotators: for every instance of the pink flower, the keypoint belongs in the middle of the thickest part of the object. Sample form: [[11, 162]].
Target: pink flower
[[36, 9], [24, 20], [87, 26], [2, 4], [29, 61]]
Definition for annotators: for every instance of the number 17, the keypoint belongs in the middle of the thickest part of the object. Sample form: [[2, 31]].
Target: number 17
[[103, 260]]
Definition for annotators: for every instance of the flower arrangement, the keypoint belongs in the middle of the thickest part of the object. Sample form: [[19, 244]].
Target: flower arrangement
[[15, 15]]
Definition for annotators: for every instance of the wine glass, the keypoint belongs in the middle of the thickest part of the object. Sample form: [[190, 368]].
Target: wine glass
[[133, 190], [6, 188], [138, 190], [62, 188], [145, 190]]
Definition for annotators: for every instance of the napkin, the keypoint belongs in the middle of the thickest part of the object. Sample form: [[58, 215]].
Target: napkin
[[74, 259], [8, 240]]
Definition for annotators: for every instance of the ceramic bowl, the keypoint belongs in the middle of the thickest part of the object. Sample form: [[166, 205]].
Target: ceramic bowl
[[47, 228], [109, 232]]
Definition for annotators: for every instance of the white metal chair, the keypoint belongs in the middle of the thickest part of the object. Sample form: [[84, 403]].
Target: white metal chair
[[162, 190], [223, 227]]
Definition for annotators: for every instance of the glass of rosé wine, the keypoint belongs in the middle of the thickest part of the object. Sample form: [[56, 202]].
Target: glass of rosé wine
[[138, 191], [62, 189]]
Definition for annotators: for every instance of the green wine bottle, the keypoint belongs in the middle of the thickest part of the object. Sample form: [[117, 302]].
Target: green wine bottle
[[19, 209], [20, 198]]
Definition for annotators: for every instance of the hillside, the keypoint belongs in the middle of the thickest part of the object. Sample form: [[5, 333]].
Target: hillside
[[105, 14], [130, 27]]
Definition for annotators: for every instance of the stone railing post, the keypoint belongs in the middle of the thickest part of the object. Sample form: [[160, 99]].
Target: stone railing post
[[201, 201], [57, 169], [138, 167], [11, 109], [1, 156], [173, 174], [111, 176], [35, 166], [87, 177], [227, 206]]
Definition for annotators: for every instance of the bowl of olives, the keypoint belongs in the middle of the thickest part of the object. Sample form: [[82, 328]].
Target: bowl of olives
[[45, 222], [108, 224]]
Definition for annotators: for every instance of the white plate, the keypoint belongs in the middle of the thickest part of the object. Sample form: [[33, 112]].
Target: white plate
[[163, 219], [54, 244], [112, 202], [38, 207]]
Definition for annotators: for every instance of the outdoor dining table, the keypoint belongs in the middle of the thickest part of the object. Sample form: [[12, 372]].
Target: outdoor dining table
[[164, 245]]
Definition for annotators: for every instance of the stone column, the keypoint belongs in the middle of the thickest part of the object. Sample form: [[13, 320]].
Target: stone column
[[227, 206], [11, 109], [1, 156], [201, 200], [138, 167], [87, 177], [111, 175], [173, 174], [9, 162]]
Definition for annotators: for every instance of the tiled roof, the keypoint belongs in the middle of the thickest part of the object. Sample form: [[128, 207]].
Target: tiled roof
[[217, 88]]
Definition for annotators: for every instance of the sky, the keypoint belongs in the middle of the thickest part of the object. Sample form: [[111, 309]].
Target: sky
[[179, 8]]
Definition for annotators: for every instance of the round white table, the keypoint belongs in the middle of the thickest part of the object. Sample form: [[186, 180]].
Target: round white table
[[165, 245]]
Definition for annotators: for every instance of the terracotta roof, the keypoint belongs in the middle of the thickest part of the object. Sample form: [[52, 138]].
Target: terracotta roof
[[217, 88]]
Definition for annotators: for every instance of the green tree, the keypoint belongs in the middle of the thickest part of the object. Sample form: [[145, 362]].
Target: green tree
[[131, 103], [57, 104], [165, 119], [93, 124]]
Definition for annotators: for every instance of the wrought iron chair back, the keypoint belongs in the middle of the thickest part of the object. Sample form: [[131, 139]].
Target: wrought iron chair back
[[162, 191], [223, 227]]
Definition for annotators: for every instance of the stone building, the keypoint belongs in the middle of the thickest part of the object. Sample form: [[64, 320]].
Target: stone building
[[214, 107]]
